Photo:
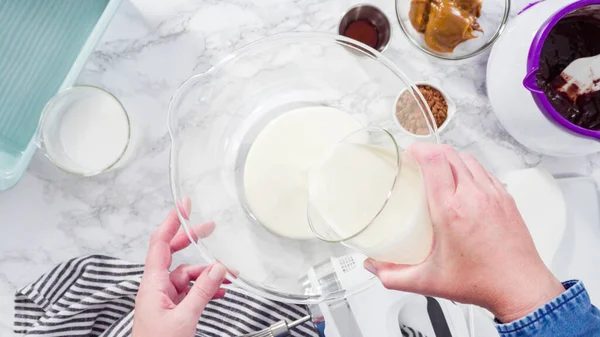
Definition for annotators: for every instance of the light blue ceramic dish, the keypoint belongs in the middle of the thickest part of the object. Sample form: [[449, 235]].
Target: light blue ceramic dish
[[44, 46]]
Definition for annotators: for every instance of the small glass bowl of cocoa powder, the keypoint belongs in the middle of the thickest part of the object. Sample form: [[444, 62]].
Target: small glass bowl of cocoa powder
[[409, 117]]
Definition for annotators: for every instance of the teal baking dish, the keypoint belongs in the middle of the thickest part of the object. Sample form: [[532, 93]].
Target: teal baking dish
[[43, 47]]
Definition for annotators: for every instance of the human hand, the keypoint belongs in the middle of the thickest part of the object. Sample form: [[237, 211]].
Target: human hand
[[482, 252], [166, 305]]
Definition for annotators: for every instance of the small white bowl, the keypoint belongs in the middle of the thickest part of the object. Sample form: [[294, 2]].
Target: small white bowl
[[449, 101]]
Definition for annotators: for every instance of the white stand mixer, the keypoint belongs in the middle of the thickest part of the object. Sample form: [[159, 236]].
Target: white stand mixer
[[513, 104]]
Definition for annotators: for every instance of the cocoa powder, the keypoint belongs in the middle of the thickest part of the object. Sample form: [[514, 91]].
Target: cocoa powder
[[409, 113]]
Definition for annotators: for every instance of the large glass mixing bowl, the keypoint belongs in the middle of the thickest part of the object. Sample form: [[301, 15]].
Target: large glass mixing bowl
[[214, 118]]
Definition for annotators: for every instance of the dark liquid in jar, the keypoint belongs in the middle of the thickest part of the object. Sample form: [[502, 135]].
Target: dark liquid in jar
[[571, 38], [363, 31]]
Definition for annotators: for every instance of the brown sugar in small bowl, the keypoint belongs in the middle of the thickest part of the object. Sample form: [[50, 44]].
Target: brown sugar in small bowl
[[451, 111]]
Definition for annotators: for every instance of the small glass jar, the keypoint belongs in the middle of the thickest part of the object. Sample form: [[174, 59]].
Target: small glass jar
[[84, 130]]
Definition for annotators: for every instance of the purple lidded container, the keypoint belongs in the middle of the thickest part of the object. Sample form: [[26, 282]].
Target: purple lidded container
[[582, 7]]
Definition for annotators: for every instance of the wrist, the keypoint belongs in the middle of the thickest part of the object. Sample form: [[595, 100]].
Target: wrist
[[526, 298]]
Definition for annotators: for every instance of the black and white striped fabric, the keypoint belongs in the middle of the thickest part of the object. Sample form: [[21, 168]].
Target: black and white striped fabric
[[95, 296], [410, 332]]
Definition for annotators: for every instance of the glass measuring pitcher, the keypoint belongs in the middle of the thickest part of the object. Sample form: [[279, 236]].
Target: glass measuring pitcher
[[369, 194]]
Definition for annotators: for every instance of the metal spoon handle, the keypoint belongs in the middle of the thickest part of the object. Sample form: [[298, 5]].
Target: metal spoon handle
[[279, 329]]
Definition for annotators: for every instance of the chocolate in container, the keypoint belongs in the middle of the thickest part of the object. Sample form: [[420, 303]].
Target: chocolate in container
[[538, 68]]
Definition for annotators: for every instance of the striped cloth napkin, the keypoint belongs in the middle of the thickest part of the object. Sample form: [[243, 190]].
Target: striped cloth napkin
[[95, 296], [410, 332]]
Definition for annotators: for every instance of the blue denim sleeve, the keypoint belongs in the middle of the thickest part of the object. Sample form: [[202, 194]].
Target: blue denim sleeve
[[569, 315]]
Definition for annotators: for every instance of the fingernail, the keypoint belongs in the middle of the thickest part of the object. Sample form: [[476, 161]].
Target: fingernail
[[369, 266], [182, 210], [217, 272]]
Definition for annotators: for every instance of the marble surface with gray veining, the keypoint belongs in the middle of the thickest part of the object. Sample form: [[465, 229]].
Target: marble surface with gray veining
[[149, 49]]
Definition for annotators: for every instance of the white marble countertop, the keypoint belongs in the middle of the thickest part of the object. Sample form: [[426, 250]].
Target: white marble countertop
[[152, 46]]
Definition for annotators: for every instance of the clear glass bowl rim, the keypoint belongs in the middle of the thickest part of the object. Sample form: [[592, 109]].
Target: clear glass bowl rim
[[237, 281]]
